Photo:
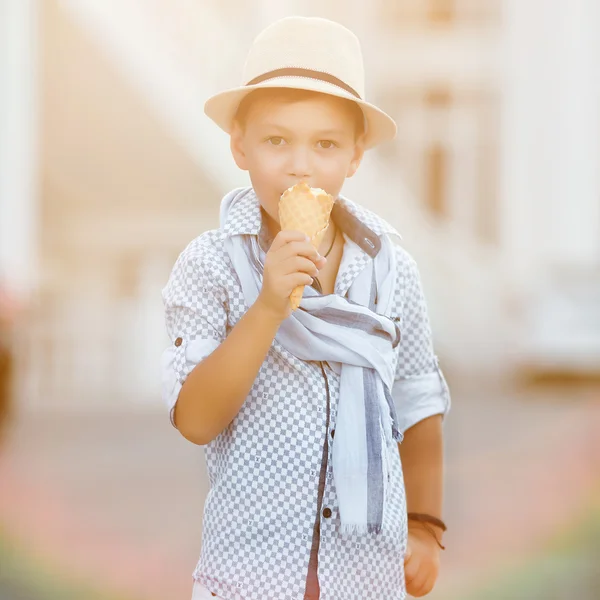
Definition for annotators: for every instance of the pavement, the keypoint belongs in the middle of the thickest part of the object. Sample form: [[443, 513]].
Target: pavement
[[115, 498]]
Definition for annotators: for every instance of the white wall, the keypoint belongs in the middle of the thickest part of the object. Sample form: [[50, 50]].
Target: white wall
[[18, 145], [550, 195]]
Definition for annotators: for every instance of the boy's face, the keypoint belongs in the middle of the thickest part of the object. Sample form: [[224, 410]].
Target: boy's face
[[283, 143]]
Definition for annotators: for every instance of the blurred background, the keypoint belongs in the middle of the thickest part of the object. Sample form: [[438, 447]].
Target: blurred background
[[109, 168]]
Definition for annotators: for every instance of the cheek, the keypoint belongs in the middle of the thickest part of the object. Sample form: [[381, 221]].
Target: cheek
[[265, 159], [261, 168], [264, 185], [334, 170]]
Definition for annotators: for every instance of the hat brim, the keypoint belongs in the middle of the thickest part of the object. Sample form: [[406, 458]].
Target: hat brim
[[221, 108]]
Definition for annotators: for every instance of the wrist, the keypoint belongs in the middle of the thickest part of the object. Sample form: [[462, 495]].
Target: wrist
[[267, 314], [427, 524], [426, 527]]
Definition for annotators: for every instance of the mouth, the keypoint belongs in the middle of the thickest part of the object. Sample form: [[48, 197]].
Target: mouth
[[295, 184], [287, 188]]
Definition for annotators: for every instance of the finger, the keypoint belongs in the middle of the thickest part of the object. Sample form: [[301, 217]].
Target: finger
[[414, 586], [285, 236], [297, 264], [300, 249], [408, 553], [421, 587], [410, 574], [411, 571], [295, 279]]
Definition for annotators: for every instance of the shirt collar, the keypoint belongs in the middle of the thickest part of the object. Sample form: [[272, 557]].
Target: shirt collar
[[361, 225]]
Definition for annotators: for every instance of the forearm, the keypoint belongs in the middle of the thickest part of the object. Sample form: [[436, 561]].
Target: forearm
[[216, 389], [421, 453]]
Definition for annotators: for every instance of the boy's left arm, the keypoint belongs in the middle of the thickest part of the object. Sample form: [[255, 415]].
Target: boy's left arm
[[422, 456], [422, 400], [421, 453]]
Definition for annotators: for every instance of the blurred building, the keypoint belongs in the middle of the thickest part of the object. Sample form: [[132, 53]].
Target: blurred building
[[493, 180]]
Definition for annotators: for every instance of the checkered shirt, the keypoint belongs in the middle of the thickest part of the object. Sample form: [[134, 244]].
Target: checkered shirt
[[271, 510]]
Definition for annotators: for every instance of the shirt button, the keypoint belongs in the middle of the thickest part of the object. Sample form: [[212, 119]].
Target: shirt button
[[332, 432], [327, 512], [178, 342]]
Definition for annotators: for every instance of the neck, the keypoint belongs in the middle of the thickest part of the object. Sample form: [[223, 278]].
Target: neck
[[328, 240]]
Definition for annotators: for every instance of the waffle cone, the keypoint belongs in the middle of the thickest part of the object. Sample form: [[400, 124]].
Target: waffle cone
[[305, 209]]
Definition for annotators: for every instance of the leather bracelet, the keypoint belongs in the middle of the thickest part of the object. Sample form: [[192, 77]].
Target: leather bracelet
[[425, 519]]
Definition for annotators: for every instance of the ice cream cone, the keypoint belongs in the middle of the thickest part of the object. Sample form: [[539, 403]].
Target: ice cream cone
[[305, 209]]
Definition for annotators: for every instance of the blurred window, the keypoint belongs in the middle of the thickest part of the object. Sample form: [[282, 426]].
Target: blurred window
[[447, 151]]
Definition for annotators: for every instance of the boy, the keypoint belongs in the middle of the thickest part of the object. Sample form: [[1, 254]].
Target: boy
[[311, 493]]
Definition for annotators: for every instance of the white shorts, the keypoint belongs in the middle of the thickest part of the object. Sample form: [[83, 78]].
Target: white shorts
[[201, 592]]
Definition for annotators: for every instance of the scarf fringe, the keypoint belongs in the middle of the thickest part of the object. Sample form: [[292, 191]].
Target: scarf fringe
[[360, 529]]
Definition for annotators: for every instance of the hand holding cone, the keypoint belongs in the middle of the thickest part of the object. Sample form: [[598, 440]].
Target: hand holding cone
[[305, 209]]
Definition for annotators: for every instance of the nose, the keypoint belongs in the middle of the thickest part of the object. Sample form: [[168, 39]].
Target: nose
[[301, 164]]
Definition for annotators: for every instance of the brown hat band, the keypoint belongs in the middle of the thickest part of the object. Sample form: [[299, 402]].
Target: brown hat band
[[298, 72]]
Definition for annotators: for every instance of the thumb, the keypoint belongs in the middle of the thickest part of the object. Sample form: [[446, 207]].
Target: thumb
[[408, 553]]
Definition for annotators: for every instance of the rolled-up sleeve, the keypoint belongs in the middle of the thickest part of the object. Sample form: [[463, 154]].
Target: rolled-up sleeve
[[195, 307], [420, 389]]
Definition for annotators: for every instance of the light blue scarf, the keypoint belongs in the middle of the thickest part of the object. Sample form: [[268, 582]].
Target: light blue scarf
[[358, 341]]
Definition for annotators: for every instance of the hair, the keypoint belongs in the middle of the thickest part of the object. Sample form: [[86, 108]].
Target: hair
[[291, 95]]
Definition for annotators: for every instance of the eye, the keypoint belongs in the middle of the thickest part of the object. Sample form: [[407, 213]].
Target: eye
[[328, 144], [275, 141]]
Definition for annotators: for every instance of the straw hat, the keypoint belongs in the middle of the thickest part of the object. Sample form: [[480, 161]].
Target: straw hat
[[306, 53]]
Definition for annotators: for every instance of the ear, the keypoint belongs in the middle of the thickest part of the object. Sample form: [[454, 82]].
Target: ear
[[236, 143], [359, 151]]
